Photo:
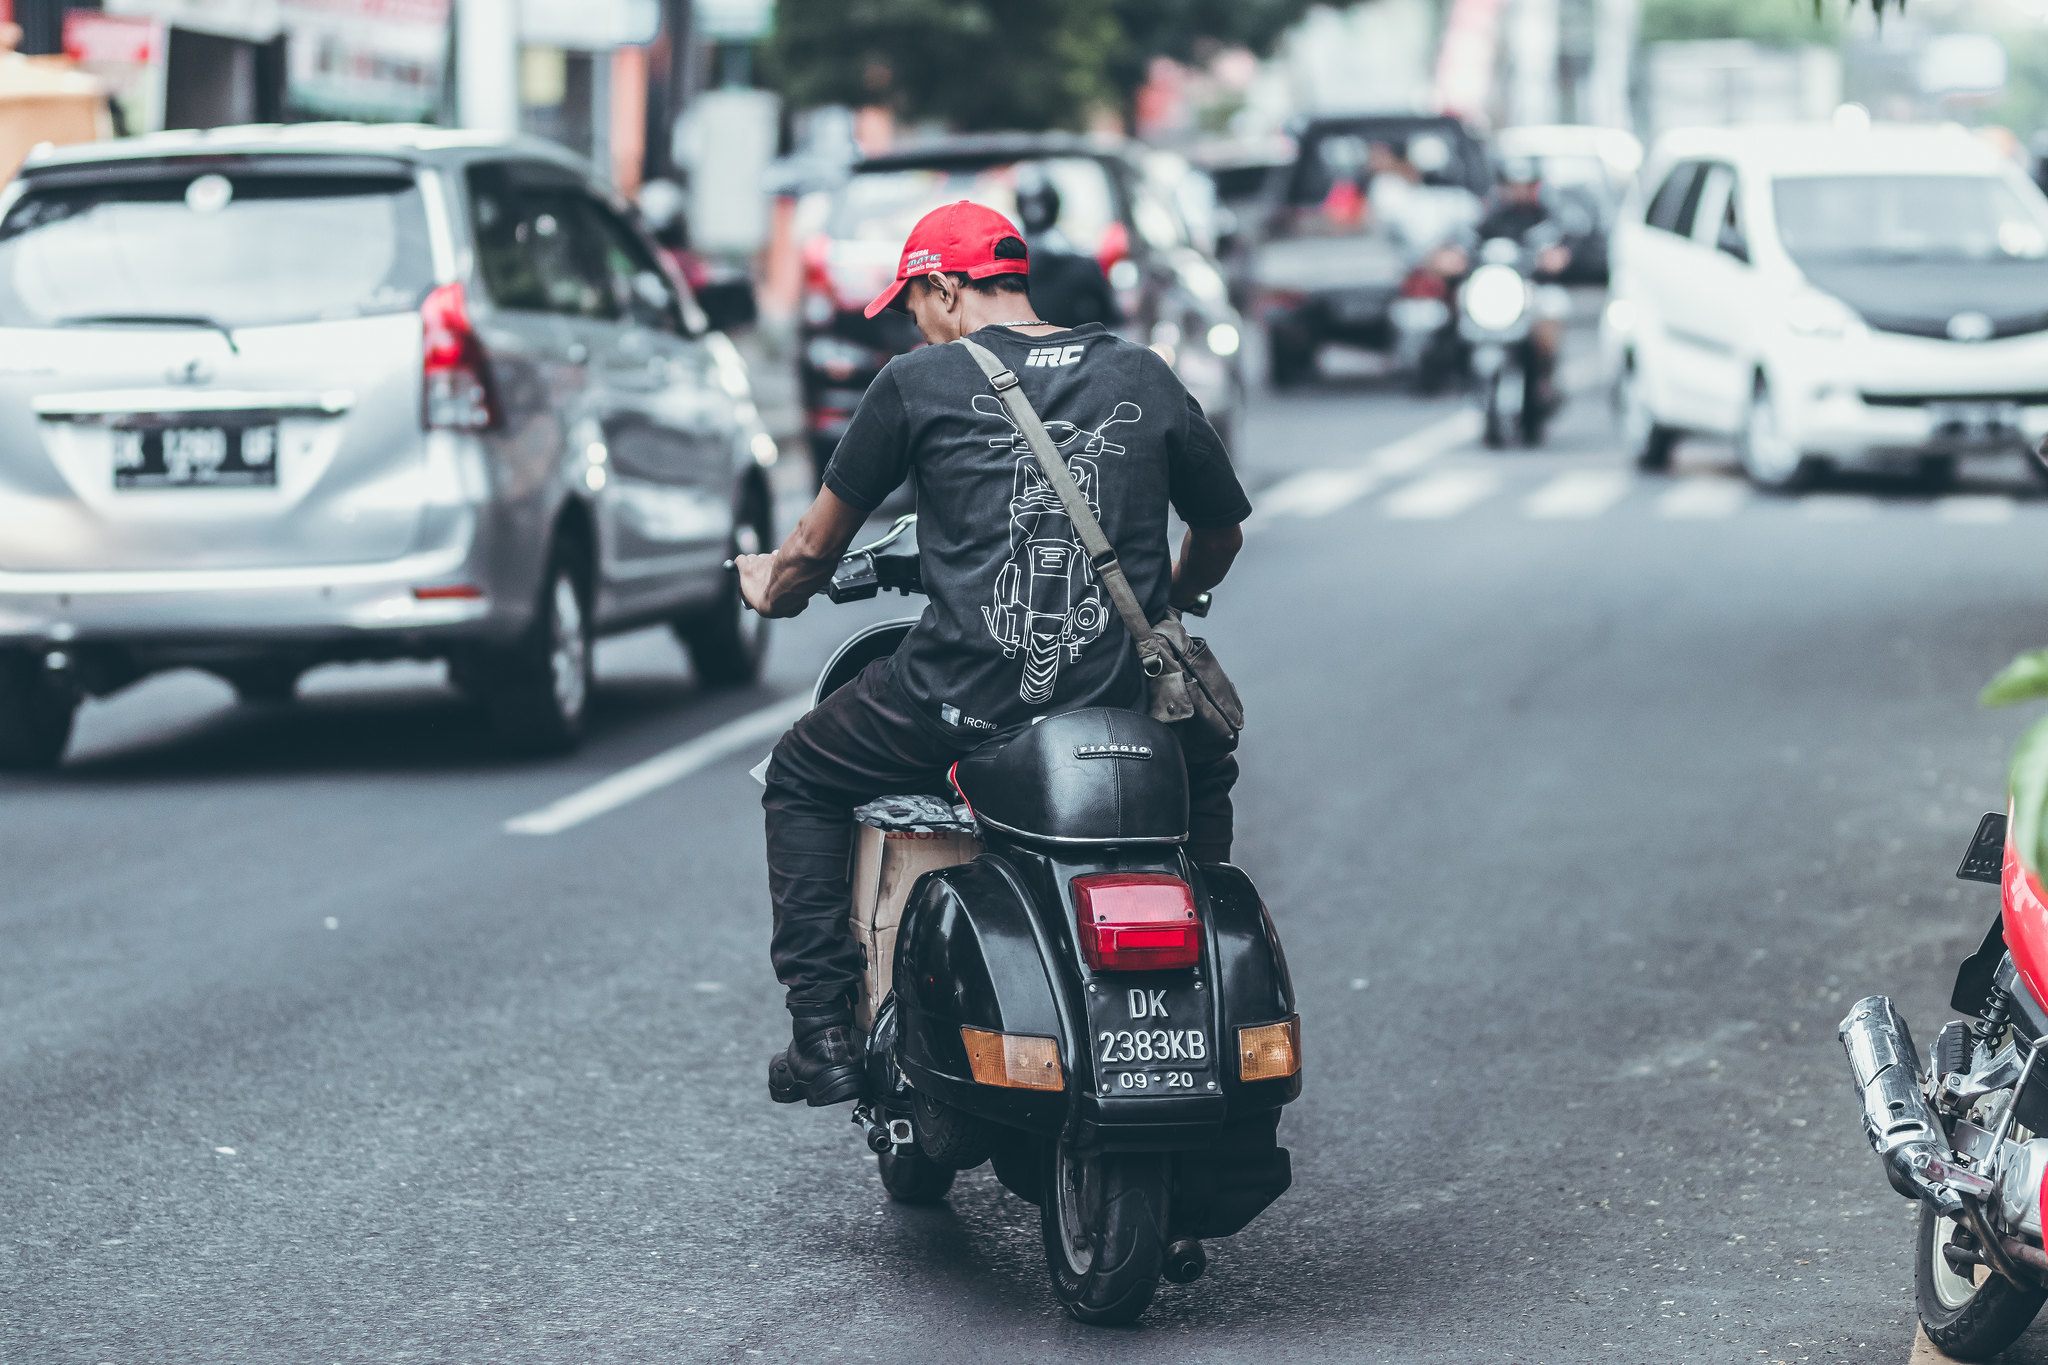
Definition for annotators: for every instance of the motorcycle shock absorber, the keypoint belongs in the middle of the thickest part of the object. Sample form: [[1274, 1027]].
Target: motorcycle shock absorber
[[1986, 1027]]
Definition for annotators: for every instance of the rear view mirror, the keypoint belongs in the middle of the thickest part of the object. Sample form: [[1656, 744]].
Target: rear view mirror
[[1733, 243]]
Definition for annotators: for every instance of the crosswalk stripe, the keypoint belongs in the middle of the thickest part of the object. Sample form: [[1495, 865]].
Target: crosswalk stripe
[[1974, 507], [1441, 495], [1702, 499], [1317, 492], [1837, 506], [1578, 493]]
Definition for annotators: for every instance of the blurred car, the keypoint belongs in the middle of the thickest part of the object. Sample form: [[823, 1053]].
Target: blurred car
[[1367, 197], [1586, 175], [1245, 174], [1873, 298], [1170, 295], [271, 398]]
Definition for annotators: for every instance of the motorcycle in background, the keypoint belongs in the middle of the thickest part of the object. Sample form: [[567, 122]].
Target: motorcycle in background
[[1497, 321], [1055, 990]]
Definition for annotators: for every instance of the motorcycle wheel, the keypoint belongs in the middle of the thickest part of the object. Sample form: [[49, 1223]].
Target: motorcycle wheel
[[1496, 434], [914, 1178], [1534, 420], [1104, 1223], [1972, 1313]]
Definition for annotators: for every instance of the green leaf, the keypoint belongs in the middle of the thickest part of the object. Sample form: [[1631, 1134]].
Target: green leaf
[[2030, 795], [2024, 679]]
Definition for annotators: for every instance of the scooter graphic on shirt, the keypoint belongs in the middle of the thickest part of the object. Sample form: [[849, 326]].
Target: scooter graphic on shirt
[[1047, 602]]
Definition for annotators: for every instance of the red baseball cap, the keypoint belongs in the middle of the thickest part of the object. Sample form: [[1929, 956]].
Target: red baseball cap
[[958, 239]]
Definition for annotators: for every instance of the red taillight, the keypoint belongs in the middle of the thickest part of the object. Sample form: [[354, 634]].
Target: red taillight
[[1423, 283], [1137, 922], [456, 389], [1115, 246]]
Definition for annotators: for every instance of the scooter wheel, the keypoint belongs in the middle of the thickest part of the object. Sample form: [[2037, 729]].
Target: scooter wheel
[[1104, 1223], [1967, 1311], [913, 1178]]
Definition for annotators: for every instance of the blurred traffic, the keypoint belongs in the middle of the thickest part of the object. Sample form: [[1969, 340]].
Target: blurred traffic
[[1641, 406]]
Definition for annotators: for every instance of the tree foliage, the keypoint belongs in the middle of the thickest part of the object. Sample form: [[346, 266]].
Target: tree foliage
[[1774, 23], [980, 64], [970, 64]]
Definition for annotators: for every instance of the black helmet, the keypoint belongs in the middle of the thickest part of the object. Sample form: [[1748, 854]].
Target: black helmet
[[1038, 202], [1520, 170]]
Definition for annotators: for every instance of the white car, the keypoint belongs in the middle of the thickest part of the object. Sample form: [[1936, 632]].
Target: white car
[[1871, 297]]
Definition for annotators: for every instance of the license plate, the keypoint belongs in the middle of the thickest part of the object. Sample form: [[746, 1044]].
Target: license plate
[[1974, 422], [195, 457], [1152, 1041], [1361, 307]]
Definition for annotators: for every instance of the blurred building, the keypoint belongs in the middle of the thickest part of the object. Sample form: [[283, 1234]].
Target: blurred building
[[607, 78]]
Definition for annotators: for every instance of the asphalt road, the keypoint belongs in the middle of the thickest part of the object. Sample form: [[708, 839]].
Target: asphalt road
[[1586, 801]]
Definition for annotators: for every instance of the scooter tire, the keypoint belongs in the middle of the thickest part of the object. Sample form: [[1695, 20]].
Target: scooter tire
[[1124, 1227], [1978, 1328], [914, 1178], [1495, 435]]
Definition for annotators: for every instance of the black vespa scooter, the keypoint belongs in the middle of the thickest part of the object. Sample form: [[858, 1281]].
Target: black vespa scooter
[[1109, 1025]]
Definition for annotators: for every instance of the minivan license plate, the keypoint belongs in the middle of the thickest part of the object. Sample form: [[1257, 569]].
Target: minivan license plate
[[195, 457]]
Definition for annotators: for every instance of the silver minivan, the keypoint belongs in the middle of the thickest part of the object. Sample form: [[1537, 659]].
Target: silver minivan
[[274, 397]]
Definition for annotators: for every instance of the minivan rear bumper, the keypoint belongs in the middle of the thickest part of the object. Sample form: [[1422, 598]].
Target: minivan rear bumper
[[398, 606]]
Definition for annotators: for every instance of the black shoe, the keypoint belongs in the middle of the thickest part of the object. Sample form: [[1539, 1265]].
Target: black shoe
[[822, 1064]]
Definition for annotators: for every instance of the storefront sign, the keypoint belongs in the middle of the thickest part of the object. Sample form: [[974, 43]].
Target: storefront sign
[[254, 21], [733, 21], [107, 40], [366, 59], [589, 24]]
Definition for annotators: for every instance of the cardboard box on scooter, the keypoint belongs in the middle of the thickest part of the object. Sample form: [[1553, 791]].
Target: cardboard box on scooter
[[886, 864]]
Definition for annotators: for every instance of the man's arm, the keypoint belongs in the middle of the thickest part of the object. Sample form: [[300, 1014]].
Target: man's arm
[[783, 583], [1205, 558]]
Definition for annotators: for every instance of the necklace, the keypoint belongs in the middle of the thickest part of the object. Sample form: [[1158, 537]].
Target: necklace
[[1021, 322]]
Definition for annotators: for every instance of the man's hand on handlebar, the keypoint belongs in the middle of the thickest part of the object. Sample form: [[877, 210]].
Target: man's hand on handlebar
[[782, 584], [757, 576]]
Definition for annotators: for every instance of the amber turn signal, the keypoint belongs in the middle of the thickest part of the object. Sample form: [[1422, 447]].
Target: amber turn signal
[[1016, 1060], [1267, 1052]]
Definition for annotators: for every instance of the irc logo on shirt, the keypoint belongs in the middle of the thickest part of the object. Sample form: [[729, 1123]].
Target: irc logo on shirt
[[1055, 355]]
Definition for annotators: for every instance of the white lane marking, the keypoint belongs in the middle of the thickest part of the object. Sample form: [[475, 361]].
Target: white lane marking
[[1837, 506], [663, 769], [1577, 494], [1316, 492], [1703, 499], [1319, 492], [1974, 507], [1441, 495]]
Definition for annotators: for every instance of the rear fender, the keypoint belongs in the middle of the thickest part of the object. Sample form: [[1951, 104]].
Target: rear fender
[[968, 954]]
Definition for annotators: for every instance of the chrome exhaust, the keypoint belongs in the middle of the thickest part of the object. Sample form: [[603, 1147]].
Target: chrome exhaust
[[1902, 1127]]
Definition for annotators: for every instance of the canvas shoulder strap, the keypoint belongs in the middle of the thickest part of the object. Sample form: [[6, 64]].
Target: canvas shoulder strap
[[1101, 554]]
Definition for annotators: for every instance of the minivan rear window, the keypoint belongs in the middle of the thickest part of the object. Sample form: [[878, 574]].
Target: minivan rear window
[[242, 249]]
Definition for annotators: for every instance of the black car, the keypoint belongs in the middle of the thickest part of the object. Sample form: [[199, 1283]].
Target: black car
[[1366, 195], [1170, 296]]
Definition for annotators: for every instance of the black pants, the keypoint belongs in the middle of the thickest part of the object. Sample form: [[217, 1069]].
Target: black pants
[[862, 742]]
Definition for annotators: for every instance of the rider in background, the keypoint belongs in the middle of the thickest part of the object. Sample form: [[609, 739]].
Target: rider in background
[[1518, 213], [1000, 643], [1068, 288]]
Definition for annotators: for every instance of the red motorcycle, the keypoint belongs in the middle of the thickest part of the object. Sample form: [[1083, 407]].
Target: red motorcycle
[[1960, 1134]]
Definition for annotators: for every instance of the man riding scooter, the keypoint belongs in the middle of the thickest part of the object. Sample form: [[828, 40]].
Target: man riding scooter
[[959, 680]]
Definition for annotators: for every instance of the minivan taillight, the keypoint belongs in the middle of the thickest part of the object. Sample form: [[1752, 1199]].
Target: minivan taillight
[[456, 388], [1137, 921]]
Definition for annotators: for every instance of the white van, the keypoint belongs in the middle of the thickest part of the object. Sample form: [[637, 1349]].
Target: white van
[[1873, 298]]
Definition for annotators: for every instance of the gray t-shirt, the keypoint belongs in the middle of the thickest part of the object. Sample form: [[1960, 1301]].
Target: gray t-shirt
[[1017, 626]]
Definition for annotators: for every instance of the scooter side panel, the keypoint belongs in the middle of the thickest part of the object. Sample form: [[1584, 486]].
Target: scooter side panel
[[967, 955], [1251, 968]]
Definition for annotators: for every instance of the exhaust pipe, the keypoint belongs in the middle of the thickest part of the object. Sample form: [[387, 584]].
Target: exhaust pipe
[[1902, 1127]]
